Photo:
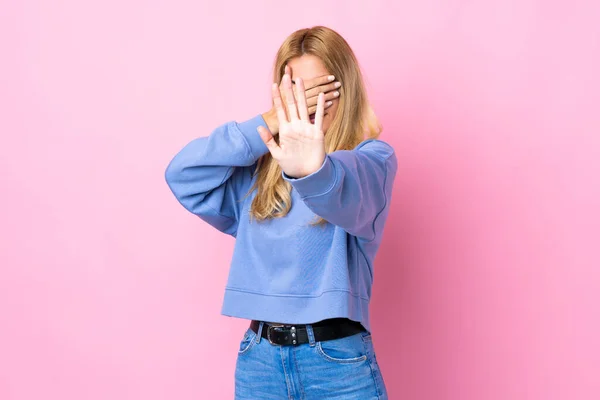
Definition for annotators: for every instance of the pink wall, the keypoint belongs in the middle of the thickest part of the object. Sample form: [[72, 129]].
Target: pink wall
[[488, 282]]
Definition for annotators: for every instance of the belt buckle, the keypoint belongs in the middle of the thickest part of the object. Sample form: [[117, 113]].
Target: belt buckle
[[269, 332]]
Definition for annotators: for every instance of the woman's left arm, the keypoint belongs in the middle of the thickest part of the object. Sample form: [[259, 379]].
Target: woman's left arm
[[352, 187], [348, 188]]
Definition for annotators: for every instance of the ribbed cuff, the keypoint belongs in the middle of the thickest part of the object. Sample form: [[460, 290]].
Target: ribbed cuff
[[248, 130], [318, 183]]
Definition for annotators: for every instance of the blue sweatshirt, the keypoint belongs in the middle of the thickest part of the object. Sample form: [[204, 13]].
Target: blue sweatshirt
[[283, 269]]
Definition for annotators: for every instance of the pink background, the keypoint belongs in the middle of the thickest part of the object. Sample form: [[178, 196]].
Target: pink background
[[487, 285]]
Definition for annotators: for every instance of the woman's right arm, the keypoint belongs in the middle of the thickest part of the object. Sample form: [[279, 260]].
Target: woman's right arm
[[211, 175]]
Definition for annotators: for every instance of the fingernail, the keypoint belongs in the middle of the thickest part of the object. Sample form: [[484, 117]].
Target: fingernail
[[336, 93], [337, 84], [329, 103], [330, 78]]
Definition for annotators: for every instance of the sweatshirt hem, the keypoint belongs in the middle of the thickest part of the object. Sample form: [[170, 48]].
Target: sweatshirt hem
[[295, 309]]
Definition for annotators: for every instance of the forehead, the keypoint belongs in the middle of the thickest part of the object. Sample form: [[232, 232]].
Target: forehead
[[307, 67]]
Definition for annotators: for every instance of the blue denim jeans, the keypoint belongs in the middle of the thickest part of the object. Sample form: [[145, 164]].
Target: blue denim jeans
[[343, 369]]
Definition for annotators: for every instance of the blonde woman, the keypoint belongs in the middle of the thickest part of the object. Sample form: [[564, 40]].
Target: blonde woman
[[305, 189]]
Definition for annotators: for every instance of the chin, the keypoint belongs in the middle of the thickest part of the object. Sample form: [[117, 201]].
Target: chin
[[326, 122]]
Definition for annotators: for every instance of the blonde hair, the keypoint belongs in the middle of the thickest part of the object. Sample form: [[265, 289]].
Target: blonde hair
[[354, 120]]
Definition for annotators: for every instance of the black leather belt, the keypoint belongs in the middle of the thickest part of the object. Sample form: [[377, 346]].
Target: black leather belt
[[328, 329]]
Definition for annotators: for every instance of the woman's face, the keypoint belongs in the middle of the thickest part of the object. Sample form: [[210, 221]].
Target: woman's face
[[309, 67]]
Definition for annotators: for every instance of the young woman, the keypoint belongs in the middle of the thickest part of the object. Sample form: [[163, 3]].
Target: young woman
[[305, 189]]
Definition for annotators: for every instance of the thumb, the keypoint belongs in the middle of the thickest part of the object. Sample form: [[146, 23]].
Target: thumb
[[269, 141]]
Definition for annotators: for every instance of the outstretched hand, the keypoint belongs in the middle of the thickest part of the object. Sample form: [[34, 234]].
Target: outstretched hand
[[301, 148]]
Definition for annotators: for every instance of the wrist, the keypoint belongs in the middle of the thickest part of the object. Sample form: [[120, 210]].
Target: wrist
[[270, 118]]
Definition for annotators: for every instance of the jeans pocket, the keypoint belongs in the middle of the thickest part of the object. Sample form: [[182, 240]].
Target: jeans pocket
[[247, 342], [346, 350]]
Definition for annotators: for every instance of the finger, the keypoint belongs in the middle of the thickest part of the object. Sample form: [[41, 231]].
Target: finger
[[301, 99], [313, 109], [282, 94], [289, 97], [320, 112], [312, 101], [281, 117], [269, 141], [318, 81], [322, 89], [286, 70]]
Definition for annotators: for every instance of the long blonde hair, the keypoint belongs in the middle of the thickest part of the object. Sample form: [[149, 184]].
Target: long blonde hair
[[354, 120]]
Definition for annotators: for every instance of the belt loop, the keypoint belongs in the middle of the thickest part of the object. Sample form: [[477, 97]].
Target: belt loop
[[311, 335], [259, 334]]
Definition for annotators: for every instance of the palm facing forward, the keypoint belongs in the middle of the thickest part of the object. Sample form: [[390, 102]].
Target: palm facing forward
[[301, 148]]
